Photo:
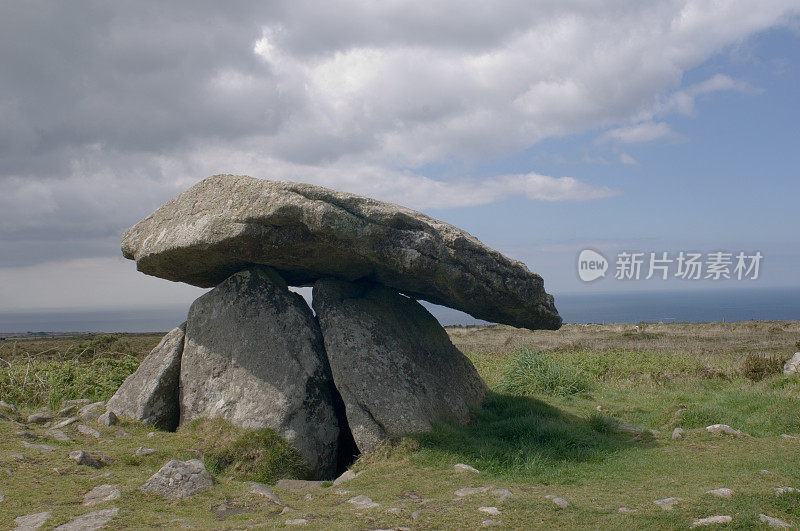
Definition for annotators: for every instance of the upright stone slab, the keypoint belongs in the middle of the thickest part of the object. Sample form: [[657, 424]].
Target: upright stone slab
[[150, 394], [392, 362], [254, 356]]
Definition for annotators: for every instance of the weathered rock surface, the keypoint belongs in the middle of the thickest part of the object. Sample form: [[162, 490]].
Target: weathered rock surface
[[393, 363], [793, 365], [90, 521], [225, 223], [31, 521], [712, 520], [150, 394], [101, 494], [179, 479], [254, 356]]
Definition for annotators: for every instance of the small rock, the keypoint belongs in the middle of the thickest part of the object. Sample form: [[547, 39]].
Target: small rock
[[86, 430], [461, 467], [628, 428], [85, 458], [91, 411], [89, 521], [677, 433], [362, 502], [667, 503], [286, 510], [57, 435], [298, 484], [144, 452], [793, 365], [27, 434], [121, 433], [491, 523], [66, 422], [469, 491], [31, 521], [773, 522], [780, 491], [504, 494], [347, 475], [39, 447], [101, 494], [40, 418], [5, 406], [722, 429], [721, 493], [626, 510], [296, 521], [790, 437], [263, 490], [396, 511], [151, 434], [79, 402], [561, 503], [109, 418], [491, 511], [416, 514], [2, 497], [712, 520], [179, 479], [66, 411]]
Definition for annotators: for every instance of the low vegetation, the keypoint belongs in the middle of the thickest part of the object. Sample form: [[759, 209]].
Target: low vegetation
[[551, 425]]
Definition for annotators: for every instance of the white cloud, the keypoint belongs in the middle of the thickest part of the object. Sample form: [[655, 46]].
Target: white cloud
[[637, 133], [626, 159]]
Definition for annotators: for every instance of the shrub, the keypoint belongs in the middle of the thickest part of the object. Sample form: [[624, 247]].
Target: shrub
[[757, 367], [531, 372]]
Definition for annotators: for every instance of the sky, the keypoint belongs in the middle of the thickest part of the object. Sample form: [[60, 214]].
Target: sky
[[541, 127]]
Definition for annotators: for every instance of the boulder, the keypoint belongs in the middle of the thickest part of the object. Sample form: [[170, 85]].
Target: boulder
[[793, 365], [226, 223], [393, 363], [254, 356], [150, 394], [179, 479]]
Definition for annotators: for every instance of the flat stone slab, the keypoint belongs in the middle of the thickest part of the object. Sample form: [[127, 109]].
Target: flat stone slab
[[179, 479], [90, 521], [31, 521], [226, 223], [101, 494]]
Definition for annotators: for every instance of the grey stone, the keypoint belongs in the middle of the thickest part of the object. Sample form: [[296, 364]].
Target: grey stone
[[362, 502], [491, 511], [461, 467], [225, 223], [144, 452], [503, 494], [109, 418], [712, 520], [40, 418], [491, 523], [347, 475], [90, 412], [667, 503], [179, 479], [721, 493], [561, 503], [66, 422], [298, 484], [793, 365], [84, 458], [773, 522], [101, 494], [31, 521], [39, 447], [67, 410], [723, 429], [780, 491], [89, 432], [5, 406], [150, 395], [263, 490], [471, 491], [254, 356], [677, 433], [392, 362], [297, 521], [90, 521]]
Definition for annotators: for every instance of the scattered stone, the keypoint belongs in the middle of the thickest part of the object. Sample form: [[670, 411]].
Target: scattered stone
[[39, 447], [58, 435], [26, 434], [470, 491], [144, 452], [79, 402], [793, 365], [87, 459], [254, 356], [362, 502], [40, 418], [396, 511], [712, 520], [263, 490], [5, 406], [109, 418], [66, 422], [667, 503], [66, 411], [86, 430], [721, 493], [773, 522], [461, 467], [677, 433], [150, 395], [627, 428], [491, 523], [89, 521], [780, 491], [626, 510], [298, 484], [90, 412], [790, 437], [101, 494], [151, 434], [416, 514], [179, 479], [31, 521], [225, 223], [223, 510], [347, 475], [297, 521], [121, 433], [2, 497], [491, 511], [415, 374], [720, 429], [561, 503], [504, 494]]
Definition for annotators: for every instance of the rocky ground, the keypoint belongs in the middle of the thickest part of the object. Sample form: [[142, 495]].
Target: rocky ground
[[657, 426]]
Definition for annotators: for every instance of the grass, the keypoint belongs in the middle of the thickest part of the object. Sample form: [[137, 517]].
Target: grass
[[548, 427]]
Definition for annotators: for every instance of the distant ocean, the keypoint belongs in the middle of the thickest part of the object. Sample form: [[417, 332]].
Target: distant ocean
[[766, 304]]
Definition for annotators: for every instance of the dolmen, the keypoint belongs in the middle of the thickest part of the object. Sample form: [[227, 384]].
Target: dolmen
[[367, 365]]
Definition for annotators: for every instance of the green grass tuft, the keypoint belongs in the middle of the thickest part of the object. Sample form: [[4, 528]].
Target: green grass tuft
[[532, 373]]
